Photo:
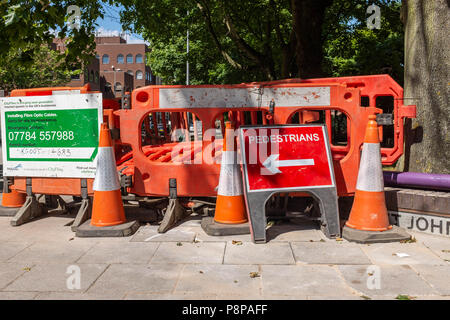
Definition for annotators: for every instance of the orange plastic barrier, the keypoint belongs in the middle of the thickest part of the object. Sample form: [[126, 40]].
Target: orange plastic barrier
[[144, 138], [295, 101]]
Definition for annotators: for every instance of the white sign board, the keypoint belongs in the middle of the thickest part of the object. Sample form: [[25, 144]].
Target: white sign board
[[51, 136]]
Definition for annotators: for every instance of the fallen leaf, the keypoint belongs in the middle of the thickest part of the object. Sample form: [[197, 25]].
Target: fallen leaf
[[26, 269], [254, 274], [270, 224], [321, 240], [339, 239], [366, 297], [179, 244], [71, 239], [235, 281], [200, 271], [404, 297], [445, 250], [236, 242], [412, 240]]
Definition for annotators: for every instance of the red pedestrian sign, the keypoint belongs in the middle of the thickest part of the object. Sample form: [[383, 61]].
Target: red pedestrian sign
[[287, 157]]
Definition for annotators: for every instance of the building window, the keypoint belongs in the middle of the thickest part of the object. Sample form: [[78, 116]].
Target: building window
[[118, 86], [108, 87], [120, 58], [129, 58], [97, 57], [91, 76], [130, 72], [139, 75], [139, 58], [105, 59], [97, 78]]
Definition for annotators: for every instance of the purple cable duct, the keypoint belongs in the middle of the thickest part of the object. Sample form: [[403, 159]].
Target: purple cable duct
[[416, 179]]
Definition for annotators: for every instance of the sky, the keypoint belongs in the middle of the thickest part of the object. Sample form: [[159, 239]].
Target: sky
[[110, 24]]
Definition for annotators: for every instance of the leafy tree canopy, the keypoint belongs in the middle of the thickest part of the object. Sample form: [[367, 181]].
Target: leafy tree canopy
[[237, 41], [46, 70], [25, 24]]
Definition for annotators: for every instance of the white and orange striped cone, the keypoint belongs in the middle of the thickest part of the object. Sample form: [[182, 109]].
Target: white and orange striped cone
[[230, 204], [369, 220], [230, 216], [108, 214]]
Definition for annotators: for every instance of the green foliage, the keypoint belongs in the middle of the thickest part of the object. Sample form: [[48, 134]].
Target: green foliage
[[245, 49], [46, 70], [352, 49], [239, 41], [25, 25]]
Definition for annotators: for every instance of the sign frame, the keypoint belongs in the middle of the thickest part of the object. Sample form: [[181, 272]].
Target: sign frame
[[325, 195]]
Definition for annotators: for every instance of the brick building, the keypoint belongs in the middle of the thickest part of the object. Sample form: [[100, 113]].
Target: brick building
[[90, 74], [118, 67], [120, 61]]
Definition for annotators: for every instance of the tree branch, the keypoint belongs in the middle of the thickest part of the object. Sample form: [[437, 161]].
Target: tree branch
[[207, 15]]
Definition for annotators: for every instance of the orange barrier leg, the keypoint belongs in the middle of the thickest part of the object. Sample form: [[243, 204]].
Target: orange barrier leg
[[368, 221]]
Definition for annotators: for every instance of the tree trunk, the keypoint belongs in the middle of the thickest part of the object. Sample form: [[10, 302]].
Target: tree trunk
[[427, 83], [308, 18]]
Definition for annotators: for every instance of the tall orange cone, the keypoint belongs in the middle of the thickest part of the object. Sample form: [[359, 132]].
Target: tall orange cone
[[107, 209], [230, 204], [108, 215], [369, 220], [230, 216]]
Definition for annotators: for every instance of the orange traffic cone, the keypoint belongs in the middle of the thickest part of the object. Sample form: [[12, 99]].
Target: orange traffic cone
[[369, 220], [107, 209], [13, 199], [108, 215], [230, 204]]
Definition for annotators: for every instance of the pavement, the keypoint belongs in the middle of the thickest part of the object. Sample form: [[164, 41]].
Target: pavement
[[43, 260]]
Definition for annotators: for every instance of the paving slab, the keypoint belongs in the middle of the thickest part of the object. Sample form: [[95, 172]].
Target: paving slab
[[77, 296], [11, 271], [54, 277], [433, 298], [387, 253], [182, 252], [328, 253], [251, 253], [201, 235], [149, 233], [9, 249], [303, 280], [293, 232], [18, 295], [439, 245], [124, 278], [169, 296], [53, 252], [335, 298], [219, 280], [437, 276], [394, 280], [125, 252]]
